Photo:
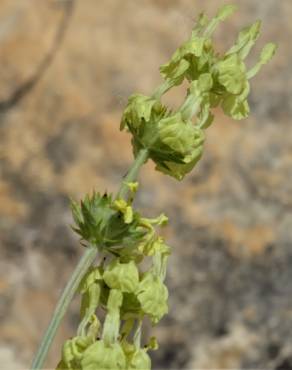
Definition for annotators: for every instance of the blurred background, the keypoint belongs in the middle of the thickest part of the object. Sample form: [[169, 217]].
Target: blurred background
[[66, 70]]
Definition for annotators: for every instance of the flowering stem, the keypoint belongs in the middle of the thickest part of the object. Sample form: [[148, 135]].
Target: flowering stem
[[63, 304], [141, 158], [84, 263]]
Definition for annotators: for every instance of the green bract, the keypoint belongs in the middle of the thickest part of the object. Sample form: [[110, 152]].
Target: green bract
[[102, 223]]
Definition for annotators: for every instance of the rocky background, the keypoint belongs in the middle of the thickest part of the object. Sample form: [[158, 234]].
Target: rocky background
[[66, 69]]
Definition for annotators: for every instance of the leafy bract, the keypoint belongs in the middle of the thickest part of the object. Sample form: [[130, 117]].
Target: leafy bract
[[106, 223]]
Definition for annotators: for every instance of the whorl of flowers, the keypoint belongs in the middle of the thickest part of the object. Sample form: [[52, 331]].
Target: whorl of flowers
[[175, 139]]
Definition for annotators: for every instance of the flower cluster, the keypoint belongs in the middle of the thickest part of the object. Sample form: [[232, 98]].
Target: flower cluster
[[175, 139], [121, 286]]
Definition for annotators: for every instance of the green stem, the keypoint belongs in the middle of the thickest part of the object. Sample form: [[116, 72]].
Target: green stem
[[141, 158], [63, 304], [83, 265]]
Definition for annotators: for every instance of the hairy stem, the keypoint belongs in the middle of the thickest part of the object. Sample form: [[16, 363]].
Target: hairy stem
[[84, 263]]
